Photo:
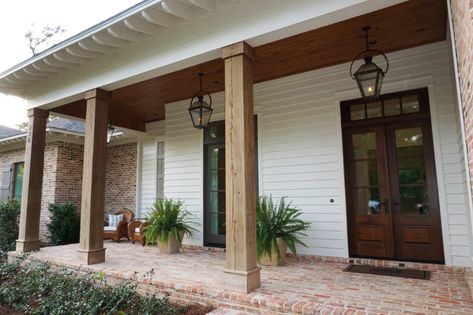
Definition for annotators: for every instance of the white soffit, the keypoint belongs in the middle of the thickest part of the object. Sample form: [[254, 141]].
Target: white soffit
[[157, 19]]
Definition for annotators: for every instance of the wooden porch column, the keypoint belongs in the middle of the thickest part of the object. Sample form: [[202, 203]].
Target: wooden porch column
[[91, 250], [242, 271], [28, 237]]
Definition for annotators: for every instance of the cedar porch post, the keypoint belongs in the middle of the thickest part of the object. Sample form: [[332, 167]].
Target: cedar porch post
[[91, 250], [242, 271], [28, 237]]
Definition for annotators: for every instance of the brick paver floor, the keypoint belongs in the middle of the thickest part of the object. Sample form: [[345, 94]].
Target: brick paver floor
[[299, 287]]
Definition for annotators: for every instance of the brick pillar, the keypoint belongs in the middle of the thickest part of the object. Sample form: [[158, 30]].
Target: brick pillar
[[28, 237]]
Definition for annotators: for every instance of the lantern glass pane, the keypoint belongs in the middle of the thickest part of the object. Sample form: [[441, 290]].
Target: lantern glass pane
[[206, 113], [195, 116]]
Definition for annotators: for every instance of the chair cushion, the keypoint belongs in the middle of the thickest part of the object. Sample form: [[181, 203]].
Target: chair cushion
[[114, 219], [110, 228]]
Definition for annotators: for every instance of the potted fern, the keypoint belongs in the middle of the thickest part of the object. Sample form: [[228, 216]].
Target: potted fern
[[168, 223], [278, 227]]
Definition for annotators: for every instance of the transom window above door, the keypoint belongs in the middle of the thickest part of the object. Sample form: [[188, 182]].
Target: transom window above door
[[387, 106]]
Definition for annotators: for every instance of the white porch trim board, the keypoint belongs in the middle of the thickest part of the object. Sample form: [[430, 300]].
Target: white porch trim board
[[458, 98], [300, 149]]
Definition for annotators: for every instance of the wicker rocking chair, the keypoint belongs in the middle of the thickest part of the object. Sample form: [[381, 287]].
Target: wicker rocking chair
[[119, 231]]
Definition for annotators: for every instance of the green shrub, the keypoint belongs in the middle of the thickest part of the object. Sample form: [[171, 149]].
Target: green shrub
[[64, 227], [277, 220], [33, 288], [9, 218]]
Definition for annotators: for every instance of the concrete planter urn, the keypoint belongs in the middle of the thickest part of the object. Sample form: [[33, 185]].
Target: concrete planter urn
[[274, 260], [171, 246]]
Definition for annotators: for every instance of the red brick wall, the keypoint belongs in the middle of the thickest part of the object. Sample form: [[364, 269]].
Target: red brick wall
[[120, 186], [49, 180], [462, 14], [69, 173], [49, 187], [62, 178]]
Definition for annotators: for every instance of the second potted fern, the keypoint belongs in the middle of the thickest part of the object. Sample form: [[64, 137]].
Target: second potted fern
[[278, 227]]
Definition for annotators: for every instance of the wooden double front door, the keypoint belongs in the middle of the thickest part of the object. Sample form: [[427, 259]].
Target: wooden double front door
[[391, 186]]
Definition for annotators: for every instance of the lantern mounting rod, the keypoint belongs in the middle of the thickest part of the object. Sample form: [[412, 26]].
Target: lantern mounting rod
[[368, 52], [200, 74]]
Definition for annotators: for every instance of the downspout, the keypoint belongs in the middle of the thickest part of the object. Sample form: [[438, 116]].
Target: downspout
[[462, 124]]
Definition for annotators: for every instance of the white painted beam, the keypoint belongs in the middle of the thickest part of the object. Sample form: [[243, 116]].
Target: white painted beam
[[15, 81], [35, 72], [142, 26], [89, 44], [40, 65], [178, 9], [21, 75], [207, 5], [78, 51], [121, 31], [64, 56], [104, 38], [158, 17], [54, 62]]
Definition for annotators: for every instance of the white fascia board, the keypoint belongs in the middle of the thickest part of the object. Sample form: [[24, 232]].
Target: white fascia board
[[15, 137], [257, 22]]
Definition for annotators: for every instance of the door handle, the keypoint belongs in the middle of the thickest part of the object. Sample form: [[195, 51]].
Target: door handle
[[386, 205]]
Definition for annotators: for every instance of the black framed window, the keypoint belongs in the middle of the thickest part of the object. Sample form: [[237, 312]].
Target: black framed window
[[214, 182]]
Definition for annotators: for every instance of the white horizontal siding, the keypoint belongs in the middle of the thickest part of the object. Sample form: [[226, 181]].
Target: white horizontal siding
[[300, 148], [183, 164]]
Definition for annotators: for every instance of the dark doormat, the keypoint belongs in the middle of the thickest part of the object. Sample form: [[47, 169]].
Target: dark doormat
[[392, 272]]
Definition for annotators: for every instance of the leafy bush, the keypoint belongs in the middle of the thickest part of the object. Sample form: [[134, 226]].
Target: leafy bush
[[277, 220], [33, 288], [64, 227], [168, 216], [9, 218]]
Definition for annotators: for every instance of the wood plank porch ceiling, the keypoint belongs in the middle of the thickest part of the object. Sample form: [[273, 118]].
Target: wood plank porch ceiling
[[412, 23]]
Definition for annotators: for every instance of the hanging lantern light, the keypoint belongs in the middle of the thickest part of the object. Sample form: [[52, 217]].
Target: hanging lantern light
[[200, 108], [369, 76], [110, 131]]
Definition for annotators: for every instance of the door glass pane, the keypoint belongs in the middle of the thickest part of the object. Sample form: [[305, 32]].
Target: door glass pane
[[367, 201], [374, 109], [366, 177], [413, 192], [392, 107], [217, 189], [357, 112], [410, 104]]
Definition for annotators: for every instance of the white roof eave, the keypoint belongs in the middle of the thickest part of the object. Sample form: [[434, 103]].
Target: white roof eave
[[146, 18]]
